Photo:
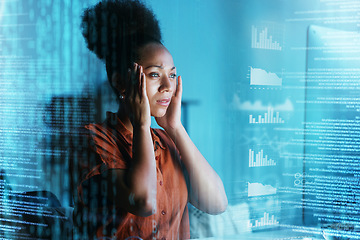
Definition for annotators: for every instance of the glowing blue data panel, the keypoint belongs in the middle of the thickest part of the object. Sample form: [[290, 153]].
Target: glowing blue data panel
[[43, 69], [276, 87], [331, 131], [311, 63]]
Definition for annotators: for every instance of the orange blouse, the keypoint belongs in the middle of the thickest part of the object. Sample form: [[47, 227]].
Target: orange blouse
[[112, 144]]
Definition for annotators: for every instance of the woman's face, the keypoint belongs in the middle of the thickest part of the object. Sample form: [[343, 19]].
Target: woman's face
[[160, 72]]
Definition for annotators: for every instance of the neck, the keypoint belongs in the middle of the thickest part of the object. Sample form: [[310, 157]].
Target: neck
[[123, 115]]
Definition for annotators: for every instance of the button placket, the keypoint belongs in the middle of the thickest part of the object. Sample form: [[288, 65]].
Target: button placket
[[160, 178], [159, 173], [156, 150]]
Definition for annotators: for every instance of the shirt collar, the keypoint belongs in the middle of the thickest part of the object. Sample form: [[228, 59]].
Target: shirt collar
[[156, 138]]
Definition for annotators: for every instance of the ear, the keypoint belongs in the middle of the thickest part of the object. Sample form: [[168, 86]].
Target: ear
[[118, 83]]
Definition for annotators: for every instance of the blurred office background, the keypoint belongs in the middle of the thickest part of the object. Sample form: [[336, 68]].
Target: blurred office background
[[270, 98]]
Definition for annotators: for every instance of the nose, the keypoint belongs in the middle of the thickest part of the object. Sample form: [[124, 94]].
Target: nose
[[166, 85]]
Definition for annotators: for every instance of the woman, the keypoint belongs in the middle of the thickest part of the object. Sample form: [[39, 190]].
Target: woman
[[136, 181]]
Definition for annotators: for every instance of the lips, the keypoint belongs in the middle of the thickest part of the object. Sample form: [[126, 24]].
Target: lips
[[164, 101]]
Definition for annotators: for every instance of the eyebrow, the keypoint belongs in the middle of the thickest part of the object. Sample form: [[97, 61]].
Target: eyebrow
[[158, 66]]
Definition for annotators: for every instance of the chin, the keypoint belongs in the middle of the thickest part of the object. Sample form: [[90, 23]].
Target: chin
[[159, 113]]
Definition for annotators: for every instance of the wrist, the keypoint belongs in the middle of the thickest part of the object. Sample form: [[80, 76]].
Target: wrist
[[141, 126], [141, 122], [175, 131]]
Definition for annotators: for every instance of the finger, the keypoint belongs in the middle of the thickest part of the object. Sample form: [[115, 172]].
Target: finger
[[136, 85], [133, 75], [143, 86], [128, 79], [140, 86], [178, 91], [130, 83], [140, 81], [134, 72]]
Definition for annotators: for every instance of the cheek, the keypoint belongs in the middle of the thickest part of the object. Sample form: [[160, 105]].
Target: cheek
[[151, 88], [174, 86]]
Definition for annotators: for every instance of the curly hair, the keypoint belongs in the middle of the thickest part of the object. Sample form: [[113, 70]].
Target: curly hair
[[115, 29]]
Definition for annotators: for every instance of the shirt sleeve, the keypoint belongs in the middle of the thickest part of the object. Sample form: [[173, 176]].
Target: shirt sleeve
[[108, 155], [94, 151]]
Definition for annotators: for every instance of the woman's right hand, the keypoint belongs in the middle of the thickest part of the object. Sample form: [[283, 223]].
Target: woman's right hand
[[136, 98]]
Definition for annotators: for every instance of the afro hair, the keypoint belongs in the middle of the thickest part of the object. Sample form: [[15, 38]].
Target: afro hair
[[115, 29]]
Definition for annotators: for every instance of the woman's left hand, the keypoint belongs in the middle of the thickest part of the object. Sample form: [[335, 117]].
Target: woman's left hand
[[172, 118]]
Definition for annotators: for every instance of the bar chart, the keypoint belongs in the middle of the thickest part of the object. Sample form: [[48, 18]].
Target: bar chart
[[263, 40], [268, 118], [266, 220], [261, 77], [260, 159]]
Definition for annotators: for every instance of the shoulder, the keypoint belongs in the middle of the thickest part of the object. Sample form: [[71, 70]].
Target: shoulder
[[97, 129], [97, 138], [106, 140], [91, 136], [111, 131], [103, 148]]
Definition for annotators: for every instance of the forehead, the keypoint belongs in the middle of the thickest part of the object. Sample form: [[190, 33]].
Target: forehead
[[155, 54]]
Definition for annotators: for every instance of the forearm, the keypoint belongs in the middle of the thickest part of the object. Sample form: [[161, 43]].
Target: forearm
[[141, 176], [206, 188]]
